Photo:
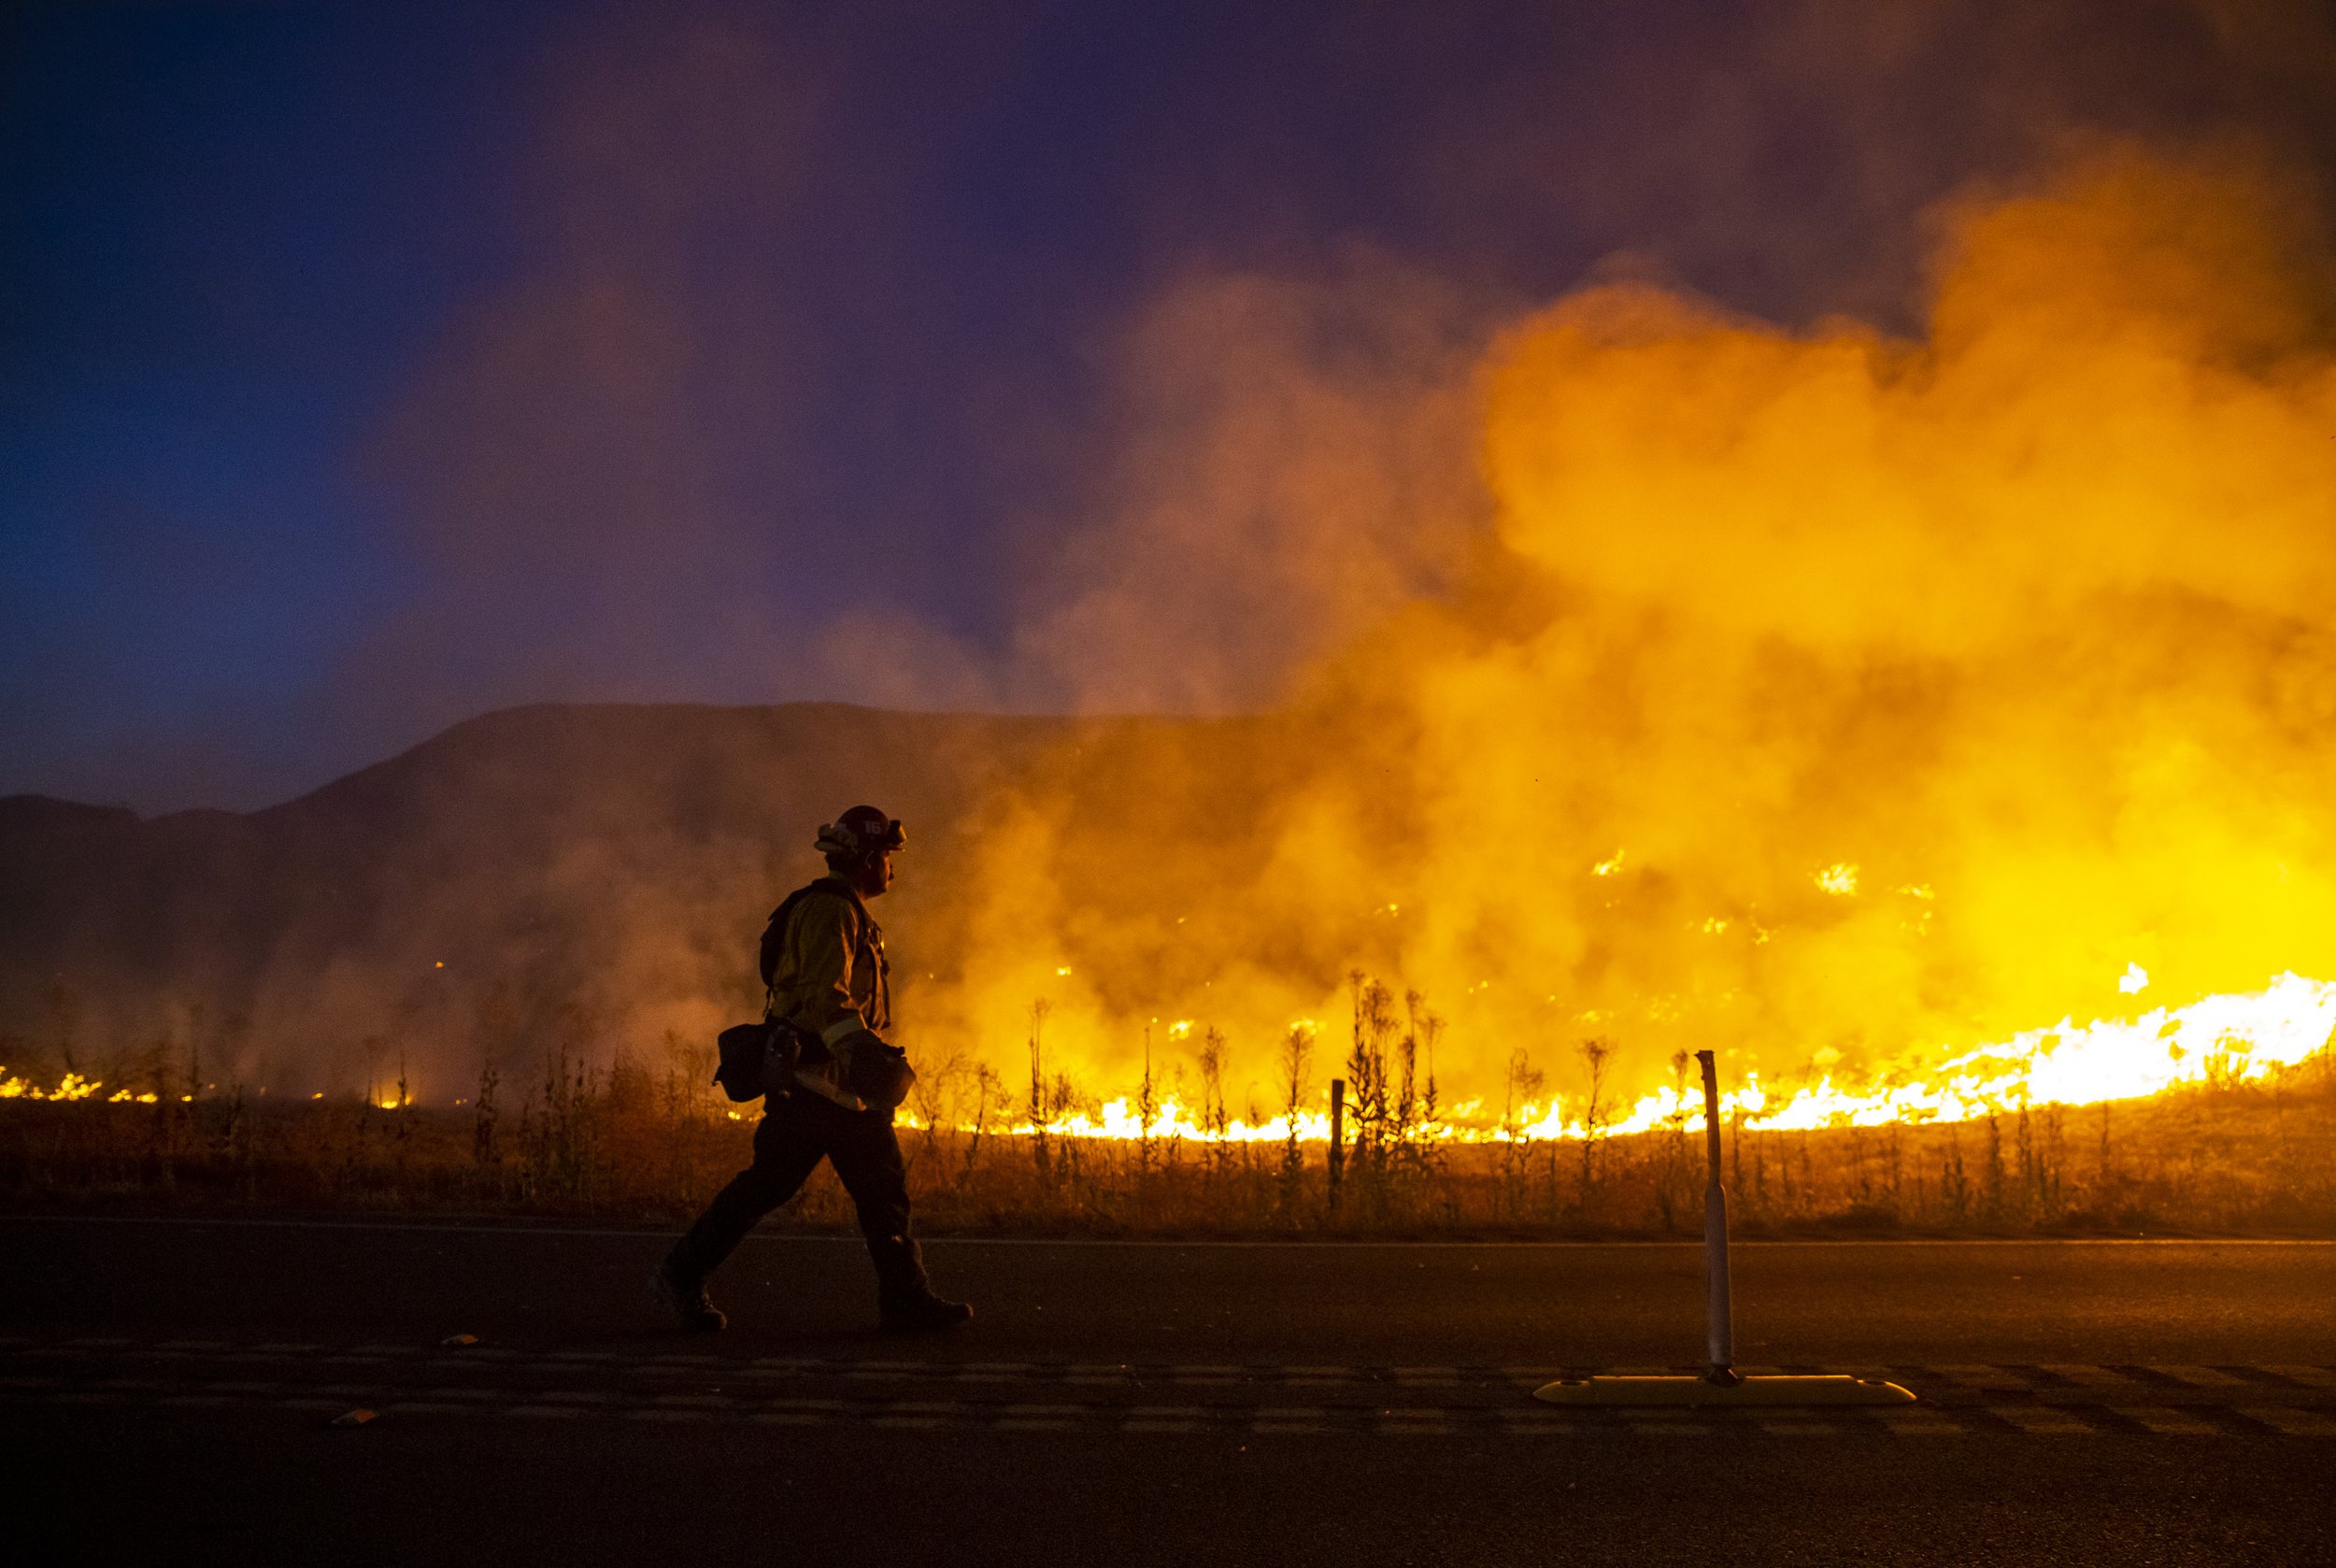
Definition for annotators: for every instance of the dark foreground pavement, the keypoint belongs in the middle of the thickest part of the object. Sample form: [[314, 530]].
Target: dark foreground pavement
[[168, 1388]]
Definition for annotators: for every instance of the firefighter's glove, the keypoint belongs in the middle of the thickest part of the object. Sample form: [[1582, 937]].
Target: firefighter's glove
[[879, 1072]]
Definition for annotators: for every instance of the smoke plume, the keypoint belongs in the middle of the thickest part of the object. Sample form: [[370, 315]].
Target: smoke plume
[[1822, 694]]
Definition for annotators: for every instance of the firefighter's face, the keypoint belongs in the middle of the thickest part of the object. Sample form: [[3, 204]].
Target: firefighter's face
[[876, 872]]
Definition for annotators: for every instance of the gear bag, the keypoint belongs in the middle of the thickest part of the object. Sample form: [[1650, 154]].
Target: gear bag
[[749, 1058]]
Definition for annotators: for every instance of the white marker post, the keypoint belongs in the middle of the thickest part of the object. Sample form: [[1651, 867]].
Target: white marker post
[[1719, 1335], [1720, 1383]]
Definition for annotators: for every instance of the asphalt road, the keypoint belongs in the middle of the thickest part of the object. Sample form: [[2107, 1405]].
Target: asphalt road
[[172, 1385]]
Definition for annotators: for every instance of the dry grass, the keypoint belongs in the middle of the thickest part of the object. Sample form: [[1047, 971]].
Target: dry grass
[[649, 1138]]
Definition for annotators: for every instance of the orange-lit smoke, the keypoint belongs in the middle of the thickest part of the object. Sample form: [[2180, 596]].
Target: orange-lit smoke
[[1832, 699]]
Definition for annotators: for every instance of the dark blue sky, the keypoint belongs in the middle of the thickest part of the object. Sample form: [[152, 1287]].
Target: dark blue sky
[[362, 367]]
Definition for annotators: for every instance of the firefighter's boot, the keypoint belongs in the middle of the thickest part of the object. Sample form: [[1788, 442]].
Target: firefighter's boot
[[683, 1294], [924, 1314], [904, 1300]]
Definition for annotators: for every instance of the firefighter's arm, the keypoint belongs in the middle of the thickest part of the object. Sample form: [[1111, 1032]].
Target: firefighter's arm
[[823, 954]]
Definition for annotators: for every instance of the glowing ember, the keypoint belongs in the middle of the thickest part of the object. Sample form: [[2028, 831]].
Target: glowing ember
[[71, 1087]]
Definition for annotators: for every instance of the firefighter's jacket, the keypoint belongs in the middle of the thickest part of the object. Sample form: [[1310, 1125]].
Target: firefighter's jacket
[[829, 977]]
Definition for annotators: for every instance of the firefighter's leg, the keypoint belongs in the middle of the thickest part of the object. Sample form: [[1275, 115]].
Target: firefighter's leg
[[786, 1151], [867, 1157]]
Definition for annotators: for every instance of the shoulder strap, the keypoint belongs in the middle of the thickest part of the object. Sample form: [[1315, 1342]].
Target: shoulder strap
[[774, 933]]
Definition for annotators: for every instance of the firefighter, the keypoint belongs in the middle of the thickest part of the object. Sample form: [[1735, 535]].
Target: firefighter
[[831, 1094]]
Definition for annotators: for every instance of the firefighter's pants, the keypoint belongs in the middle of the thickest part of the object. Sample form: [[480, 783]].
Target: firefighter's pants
[[795, 1136]]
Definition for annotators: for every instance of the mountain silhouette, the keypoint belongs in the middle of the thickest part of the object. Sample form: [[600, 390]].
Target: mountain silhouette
[[554, 874]]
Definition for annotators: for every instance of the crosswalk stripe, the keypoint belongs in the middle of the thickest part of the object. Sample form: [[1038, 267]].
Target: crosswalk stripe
[[2294, 1422], [2042, 1420], [2166, 1422], [2310, 1377], [2088, 1376], [1990, 1378]]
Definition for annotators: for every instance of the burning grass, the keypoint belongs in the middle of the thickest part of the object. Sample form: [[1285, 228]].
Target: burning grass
[[646, 1138]]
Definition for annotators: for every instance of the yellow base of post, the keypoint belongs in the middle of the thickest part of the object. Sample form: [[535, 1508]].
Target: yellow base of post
[[1833, 1388]]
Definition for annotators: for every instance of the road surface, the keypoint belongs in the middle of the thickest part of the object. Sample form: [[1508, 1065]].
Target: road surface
[[172, 1385]]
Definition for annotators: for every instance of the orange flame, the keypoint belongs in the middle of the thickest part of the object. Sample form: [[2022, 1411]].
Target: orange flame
[[1817, 694]]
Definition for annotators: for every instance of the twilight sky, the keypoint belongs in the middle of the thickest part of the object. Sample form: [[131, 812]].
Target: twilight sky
[[365, 367]]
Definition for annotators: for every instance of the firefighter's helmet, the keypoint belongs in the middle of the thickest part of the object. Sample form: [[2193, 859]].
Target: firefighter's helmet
[[861, 831]]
